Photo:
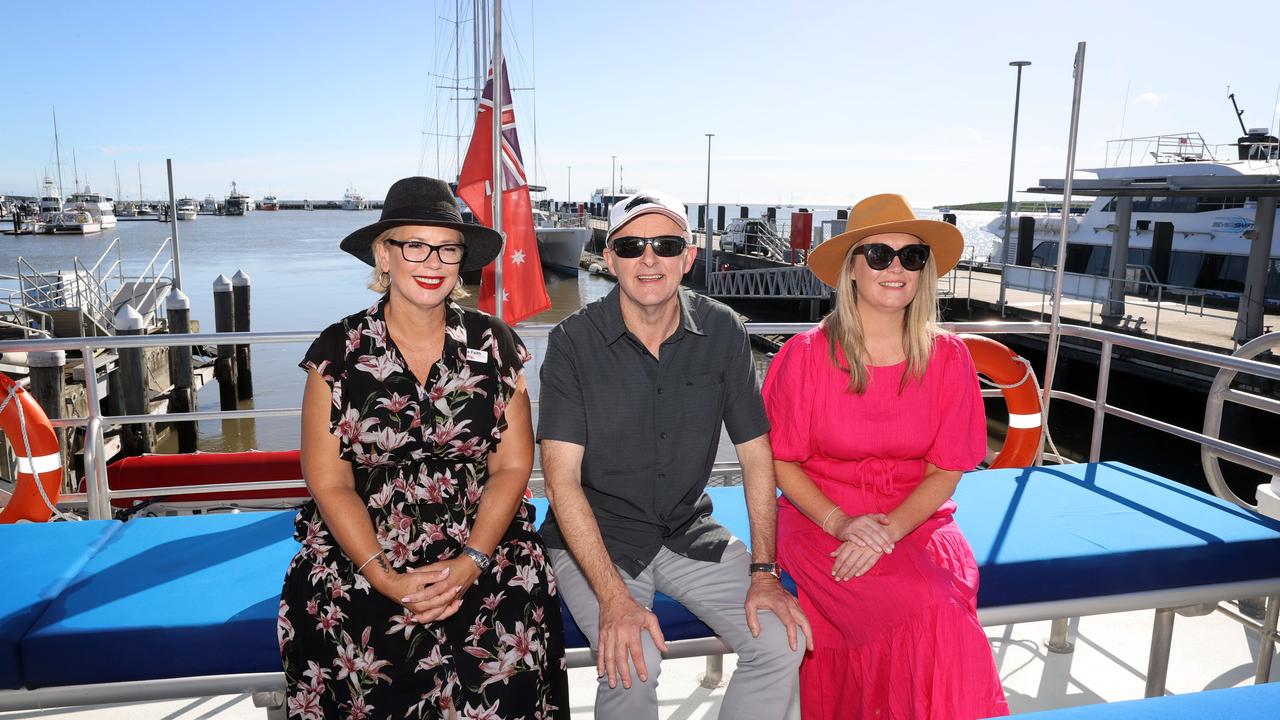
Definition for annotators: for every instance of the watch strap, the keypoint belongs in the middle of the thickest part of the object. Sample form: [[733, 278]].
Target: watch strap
[[771, 568]]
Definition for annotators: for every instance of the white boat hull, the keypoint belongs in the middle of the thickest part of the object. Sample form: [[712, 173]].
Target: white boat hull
[[186, 214], [560, 249]]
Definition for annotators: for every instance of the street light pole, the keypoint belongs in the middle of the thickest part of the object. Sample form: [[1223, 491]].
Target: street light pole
[[1008, 203], [569, 192], [613, 174], [707, 259]]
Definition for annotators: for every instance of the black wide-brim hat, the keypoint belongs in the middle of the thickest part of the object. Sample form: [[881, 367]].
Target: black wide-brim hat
[[425, 201]]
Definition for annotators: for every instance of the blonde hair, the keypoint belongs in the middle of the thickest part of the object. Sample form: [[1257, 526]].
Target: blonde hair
[[380, 282], [919, 326]]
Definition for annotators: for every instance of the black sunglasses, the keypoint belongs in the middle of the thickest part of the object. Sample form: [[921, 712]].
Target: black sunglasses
[[633, 247], [416, 251], [880, 256]]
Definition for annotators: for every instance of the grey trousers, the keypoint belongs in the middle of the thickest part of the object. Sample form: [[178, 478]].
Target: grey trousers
[[766, 675]]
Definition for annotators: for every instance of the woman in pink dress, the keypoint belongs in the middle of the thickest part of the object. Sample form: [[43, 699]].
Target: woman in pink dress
[[876, 413]]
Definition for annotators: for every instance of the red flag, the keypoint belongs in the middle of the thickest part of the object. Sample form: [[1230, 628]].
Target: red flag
[[524, 292]]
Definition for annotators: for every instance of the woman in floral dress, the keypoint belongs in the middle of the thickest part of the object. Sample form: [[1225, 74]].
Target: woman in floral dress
[[421, 589]]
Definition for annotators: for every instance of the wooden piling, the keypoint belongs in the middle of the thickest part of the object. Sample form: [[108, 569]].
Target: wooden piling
[[48, 386], [224, 368], [244, 371], [139, 438], [181, 371]]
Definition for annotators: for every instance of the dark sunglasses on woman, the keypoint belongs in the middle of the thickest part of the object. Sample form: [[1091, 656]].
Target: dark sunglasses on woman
[[880, 256], [633, 247]]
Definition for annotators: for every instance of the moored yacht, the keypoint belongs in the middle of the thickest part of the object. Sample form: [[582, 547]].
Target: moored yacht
[[1211, 233], [238, 203], [269, 202], [353, 200], [96, 204], [50, 198], [187, 209], [72, 221], [559, 248]]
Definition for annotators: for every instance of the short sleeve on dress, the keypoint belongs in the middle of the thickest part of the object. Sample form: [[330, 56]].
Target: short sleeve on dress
[[960, 442], [787, 400], [510, 355], [327, 356]]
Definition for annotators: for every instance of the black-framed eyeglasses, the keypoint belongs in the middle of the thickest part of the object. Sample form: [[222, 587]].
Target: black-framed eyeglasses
[[633, 247], [880, 256], [416, 251]]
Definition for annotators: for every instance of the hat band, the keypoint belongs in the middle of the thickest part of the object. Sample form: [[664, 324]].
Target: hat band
[[430, 216]]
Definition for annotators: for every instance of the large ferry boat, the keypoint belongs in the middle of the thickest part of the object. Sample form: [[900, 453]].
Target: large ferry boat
[[1210, 248]]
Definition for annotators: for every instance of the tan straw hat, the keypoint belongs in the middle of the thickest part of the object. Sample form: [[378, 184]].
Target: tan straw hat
[[886, 214]]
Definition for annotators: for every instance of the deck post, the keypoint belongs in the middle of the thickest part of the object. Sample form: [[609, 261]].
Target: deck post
[[1113, 311], [182, 399], [244, 372], [137, 438], [1058, 641], [1269, 637], [714, 676], [1158, 663], [224, 368], [48, 387], [1253, 299]]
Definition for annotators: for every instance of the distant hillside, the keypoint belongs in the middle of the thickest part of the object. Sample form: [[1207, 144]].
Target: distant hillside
[[1018, 207]]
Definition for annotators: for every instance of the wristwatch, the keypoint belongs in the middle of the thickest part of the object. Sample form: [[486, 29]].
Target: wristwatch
[[771, 568], [479, 558]]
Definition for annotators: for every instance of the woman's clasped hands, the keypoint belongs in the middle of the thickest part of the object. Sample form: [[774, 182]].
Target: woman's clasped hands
[[864, 539]]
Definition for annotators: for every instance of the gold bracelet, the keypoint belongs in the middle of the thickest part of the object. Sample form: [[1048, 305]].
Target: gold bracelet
[[831, 512], [360, 570]]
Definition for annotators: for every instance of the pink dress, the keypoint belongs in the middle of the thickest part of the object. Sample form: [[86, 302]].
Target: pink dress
[[902, 641]]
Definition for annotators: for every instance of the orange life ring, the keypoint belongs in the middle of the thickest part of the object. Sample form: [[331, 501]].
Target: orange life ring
[[38, 466], [1012, 374]]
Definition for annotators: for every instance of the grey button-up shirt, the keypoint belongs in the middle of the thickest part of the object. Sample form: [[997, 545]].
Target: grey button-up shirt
[[649, 426]]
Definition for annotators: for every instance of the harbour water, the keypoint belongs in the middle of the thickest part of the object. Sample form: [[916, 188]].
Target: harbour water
[[300, 281]]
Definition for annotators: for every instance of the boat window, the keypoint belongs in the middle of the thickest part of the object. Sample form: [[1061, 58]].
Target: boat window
[[1184, 268], [1045, 254], [1079, 257]]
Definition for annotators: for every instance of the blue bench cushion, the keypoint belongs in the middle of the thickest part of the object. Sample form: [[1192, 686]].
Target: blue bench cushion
[[1248, 701], [168, 597], [1089, 530], [678, 623], [37, 561]]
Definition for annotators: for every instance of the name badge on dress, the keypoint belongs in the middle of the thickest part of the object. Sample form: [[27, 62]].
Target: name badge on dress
[[479, 356]]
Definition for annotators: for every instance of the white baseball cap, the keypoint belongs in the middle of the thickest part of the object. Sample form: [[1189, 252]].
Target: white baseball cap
[[644, 202]]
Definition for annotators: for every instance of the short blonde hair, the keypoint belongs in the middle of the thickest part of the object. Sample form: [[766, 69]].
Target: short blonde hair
[[380, 281]]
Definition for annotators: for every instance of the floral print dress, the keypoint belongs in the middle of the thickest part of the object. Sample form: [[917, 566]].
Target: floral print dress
[[420, 459]]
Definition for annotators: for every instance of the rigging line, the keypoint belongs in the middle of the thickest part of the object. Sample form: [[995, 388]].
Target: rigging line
[[533, 77]]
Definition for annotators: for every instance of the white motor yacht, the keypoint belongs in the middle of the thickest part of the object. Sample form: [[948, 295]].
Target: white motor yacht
[[74, 221], [96, 204], [50, 198], [559, 248], [1211, 233], [187, 209], [353, 200]]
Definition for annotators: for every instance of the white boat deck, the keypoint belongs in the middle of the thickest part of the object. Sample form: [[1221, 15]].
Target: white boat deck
[[1108, 665]]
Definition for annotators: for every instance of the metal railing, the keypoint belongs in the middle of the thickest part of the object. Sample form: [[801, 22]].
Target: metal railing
[[98, 494], [1141, 294], [1170, 148]]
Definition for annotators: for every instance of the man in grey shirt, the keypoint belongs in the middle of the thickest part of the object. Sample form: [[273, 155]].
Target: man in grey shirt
[[634, 389]]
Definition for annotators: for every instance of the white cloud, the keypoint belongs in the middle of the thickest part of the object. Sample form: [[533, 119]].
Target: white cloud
[[1153, 99]]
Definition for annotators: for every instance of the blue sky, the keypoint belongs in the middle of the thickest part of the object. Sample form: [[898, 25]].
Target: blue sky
[[811, 102]]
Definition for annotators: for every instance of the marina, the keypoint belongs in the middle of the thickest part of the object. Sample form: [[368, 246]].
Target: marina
[[1123, 317]]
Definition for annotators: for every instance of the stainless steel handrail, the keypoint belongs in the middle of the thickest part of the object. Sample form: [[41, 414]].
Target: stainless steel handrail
[[99, 494]]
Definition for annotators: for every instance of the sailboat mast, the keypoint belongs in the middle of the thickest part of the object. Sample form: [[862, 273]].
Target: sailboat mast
[[57, 150], [116, 164], [139, 184], [499, 105], [75, 169], [457, 90]]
